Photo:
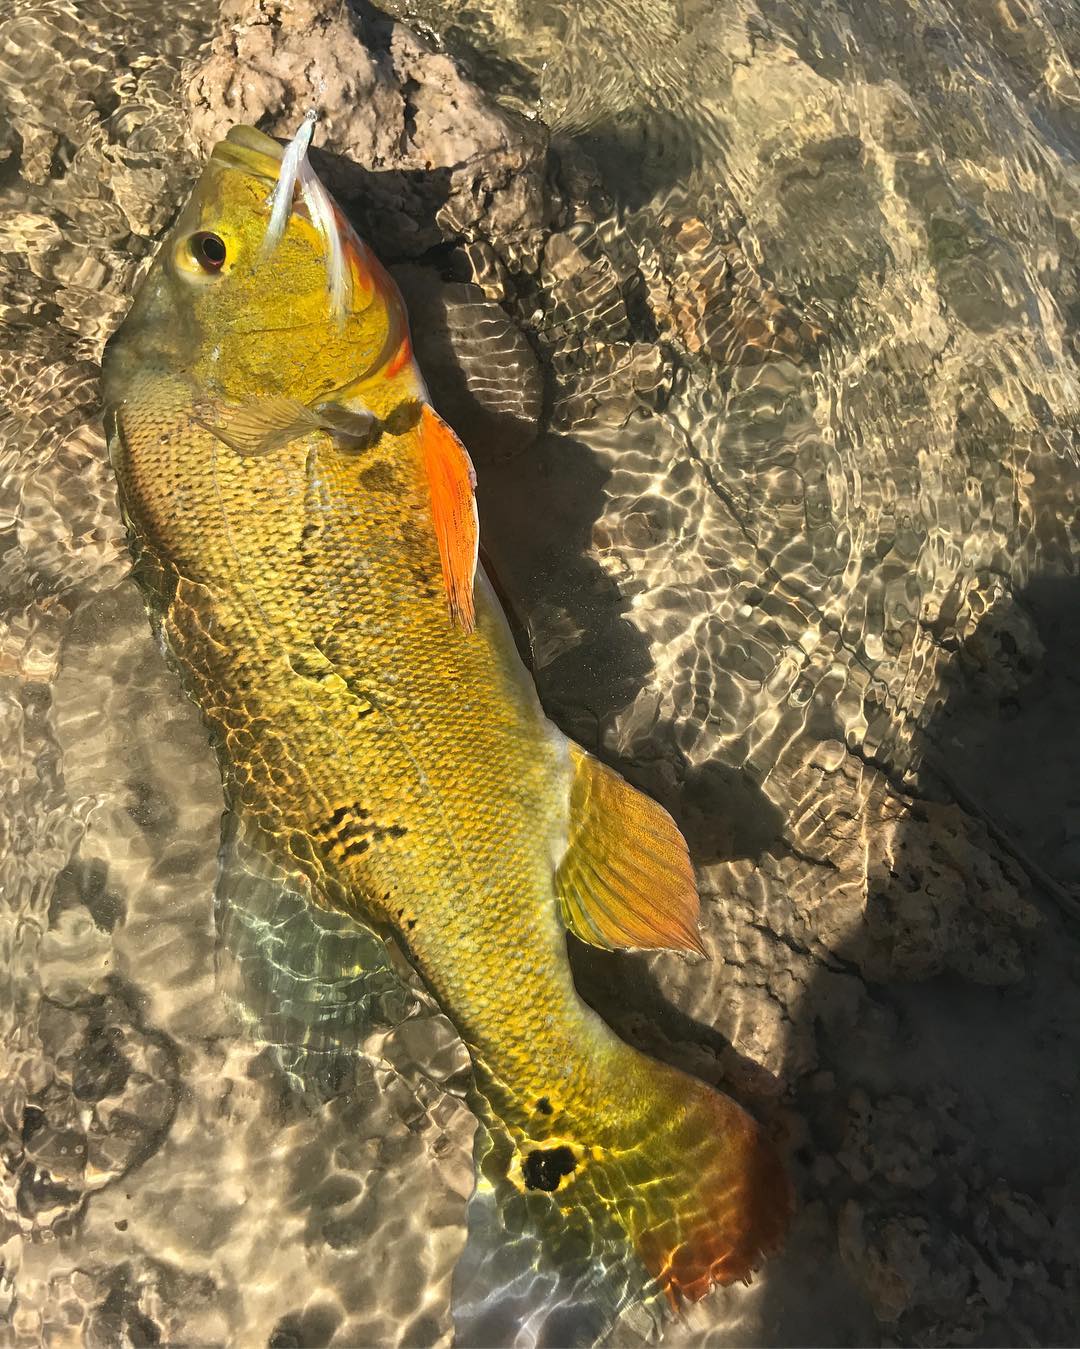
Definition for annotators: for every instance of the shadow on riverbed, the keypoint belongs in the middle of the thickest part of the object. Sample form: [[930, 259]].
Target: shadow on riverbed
[[937, 1165]]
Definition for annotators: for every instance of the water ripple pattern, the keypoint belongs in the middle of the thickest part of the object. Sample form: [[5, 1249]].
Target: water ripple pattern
[[775, 404]]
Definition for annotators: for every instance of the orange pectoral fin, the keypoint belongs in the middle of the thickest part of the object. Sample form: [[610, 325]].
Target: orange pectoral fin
[[453, 507]]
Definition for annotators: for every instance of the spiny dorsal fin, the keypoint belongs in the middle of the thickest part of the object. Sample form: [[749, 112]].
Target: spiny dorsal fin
[[453, 507], [626, 878]]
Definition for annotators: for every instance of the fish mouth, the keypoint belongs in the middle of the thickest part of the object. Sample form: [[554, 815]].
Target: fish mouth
[[251, 151]]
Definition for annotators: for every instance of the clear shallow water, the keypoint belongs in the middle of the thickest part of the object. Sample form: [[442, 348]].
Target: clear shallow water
[[792, 532]]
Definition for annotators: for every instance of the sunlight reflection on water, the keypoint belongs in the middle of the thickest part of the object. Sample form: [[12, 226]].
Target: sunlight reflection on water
[[806, 335]]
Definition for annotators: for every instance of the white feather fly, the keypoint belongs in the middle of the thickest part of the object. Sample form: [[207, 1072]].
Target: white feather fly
[[296, 171]]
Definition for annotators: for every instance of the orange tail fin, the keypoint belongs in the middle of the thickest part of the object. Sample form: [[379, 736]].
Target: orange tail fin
[[662, 1181], [721, 1200]]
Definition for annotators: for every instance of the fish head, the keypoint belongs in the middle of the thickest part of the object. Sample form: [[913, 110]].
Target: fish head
[[247, 301]]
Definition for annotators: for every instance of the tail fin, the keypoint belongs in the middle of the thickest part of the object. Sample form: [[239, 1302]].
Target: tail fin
[[708, 1197], [666, 1187]]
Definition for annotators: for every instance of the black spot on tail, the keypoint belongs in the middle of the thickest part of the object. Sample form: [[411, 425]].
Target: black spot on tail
[[544, 1106], [545, 1167]]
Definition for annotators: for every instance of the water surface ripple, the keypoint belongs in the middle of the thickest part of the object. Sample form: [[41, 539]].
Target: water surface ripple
[[792, 532]]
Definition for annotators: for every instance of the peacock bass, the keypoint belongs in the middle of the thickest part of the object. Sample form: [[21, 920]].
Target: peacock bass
[[304, 529]]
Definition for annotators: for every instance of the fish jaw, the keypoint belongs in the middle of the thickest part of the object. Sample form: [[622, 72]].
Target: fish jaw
[[366, 280], [352, 268]]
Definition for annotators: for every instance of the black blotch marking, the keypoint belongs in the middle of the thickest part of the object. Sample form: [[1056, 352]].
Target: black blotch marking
[[349, 831], [351, 817], [340, 814], [403, 418], [379, 477], [545, 1167], [544, 1106], [410, 923]]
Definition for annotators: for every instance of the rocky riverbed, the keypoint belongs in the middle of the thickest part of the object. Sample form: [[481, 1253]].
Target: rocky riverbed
[[764, 342]]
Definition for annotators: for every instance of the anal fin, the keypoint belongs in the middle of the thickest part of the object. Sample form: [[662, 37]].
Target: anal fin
[[626, 879]]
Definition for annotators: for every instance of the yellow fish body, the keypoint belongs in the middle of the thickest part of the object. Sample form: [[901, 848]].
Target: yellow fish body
[[303, 526]]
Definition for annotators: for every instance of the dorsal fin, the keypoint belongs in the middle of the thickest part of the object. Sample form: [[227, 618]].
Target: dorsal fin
[[453, 509], [626, 878]]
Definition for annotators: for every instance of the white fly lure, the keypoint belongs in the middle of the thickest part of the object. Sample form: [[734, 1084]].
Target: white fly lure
[[296, 171]]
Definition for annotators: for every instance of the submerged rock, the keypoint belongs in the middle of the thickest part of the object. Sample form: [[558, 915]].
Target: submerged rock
[[409, 145]]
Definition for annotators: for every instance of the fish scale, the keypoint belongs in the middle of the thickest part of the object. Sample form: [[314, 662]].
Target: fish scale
[[373, 721], [407, 777]]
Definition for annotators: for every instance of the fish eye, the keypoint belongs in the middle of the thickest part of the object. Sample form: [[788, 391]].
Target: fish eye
[[208, 250]]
